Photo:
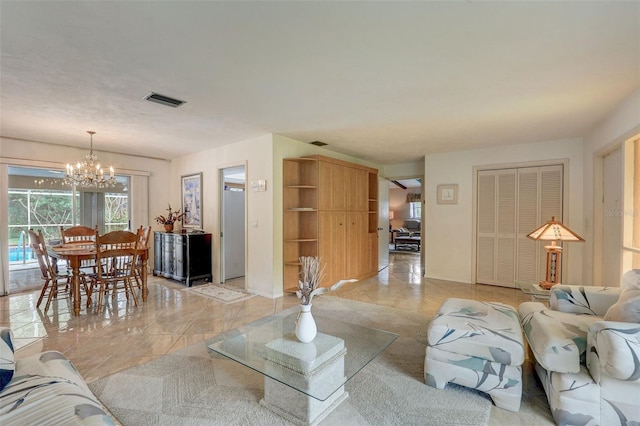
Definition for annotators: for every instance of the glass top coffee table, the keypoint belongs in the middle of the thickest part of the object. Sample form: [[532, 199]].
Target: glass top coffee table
[[533, 289], [304, 382]]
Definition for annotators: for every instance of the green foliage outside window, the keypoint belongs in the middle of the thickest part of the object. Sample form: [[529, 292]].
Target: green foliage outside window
[[49, 209]]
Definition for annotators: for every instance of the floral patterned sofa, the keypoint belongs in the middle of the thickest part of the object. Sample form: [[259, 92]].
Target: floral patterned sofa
[[587, 351], [44, 389]]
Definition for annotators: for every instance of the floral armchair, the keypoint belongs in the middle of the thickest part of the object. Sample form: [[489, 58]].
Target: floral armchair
[[587, 353]]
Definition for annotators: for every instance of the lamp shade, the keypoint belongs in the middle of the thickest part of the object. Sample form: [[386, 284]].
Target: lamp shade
[[554, 230]]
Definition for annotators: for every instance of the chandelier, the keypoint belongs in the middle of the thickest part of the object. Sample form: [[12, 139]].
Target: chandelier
[[88, 173]]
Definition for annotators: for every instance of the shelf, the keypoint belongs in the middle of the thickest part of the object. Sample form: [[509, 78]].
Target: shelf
[[301, 240], [301, 187], [302, 209], [292, 263]]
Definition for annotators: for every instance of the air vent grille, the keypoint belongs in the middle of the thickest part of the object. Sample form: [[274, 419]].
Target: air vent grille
[[164, 100]]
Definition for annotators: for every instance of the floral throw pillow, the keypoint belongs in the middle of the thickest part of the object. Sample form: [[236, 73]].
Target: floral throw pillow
[[627, 308], [7, 359]]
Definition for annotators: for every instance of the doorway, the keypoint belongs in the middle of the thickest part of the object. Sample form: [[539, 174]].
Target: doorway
[[233, 226], [405, 215]]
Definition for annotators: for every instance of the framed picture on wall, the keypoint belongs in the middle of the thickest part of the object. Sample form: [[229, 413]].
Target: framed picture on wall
[[192, 201], [448, 194]]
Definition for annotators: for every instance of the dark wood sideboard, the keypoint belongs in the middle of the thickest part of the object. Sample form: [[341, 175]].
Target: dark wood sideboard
[[182, 256]]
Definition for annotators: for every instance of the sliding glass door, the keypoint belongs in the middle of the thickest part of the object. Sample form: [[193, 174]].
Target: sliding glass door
[[40, 199]]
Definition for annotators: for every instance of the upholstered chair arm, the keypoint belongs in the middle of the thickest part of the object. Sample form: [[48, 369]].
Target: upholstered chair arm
[[613, 349], [586, 300]]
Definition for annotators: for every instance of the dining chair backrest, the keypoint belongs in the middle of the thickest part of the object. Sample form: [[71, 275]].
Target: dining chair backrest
[[116, 257], [39, 247], [143, 237], [116, 253], [78, 234]]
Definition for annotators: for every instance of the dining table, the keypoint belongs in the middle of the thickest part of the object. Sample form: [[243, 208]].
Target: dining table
[[76, 252]]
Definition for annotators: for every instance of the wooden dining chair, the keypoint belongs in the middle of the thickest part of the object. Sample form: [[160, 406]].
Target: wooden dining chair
[[143, 244], [78, 235], [81, 235], [52, 279], [116, 256]]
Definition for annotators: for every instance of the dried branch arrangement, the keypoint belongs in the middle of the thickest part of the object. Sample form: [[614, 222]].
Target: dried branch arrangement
[[311, 274]]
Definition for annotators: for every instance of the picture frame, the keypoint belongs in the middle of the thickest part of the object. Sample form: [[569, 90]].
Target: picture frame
[[191, 196], [448, 193]]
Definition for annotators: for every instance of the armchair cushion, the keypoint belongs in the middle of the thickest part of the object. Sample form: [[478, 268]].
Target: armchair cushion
[[627, 308], [583, 299], [557, 339], [614, 349]]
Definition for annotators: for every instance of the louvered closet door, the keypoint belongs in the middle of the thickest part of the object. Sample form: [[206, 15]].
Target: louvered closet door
[[486, 228], [512, 203]]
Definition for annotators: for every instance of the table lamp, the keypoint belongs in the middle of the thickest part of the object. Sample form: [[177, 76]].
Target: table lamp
[[553, 231]]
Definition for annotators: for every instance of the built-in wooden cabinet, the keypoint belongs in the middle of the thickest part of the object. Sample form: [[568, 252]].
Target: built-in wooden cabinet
[[330, 211]]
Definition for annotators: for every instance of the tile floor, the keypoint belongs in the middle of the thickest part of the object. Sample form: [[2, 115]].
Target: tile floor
[[123, 336]]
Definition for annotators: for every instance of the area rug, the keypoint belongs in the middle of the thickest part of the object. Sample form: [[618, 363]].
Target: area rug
[[219, 293], [194, 387]]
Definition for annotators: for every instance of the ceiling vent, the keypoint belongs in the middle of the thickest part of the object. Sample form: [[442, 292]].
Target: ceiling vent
[[164, 100], [318, 143]]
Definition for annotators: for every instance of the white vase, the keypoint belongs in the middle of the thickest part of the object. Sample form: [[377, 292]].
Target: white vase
[[306, 329]]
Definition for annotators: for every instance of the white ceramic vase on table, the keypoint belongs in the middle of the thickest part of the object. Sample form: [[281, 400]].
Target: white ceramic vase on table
[[306, 329]]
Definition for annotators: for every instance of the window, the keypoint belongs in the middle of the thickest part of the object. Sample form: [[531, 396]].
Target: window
[[40, 199], [415, 210]]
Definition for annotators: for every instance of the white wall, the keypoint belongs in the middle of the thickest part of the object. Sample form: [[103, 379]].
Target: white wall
[[621, 124], [256, 155], [449, 228]]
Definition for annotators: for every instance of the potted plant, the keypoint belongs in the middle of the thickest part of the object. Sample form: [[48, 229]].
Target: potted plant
[[169, 219]]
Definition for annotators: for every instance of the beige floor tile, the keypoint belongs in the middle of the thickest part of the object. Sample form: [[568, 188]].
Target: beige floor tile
[[172, 318]]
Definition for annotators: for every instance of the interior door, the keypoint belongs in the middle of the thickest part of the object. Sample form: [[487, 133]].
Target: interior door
[[383, 223], [612, 223], [232, 223], [234, 230]]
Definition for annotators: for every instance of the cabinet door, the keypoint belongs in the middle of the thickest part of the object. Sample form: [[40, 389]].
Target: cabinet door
[[180, 257], [332, 195], [168, 257], [332, 245], [357, 189], [157, 253], [357, 244]]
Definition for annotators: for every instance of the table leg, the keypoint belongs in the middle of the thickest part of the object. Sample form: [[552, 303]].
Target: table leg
[[145, 290], [75, 285]]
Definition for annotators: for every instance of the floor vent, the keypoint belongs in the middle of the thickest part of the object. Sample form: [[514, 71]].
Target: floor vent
[[164, 100]]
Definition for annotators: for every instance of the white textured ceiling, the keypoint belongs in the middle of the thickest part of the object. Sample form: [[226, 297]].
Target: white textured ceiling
[[385, 81]]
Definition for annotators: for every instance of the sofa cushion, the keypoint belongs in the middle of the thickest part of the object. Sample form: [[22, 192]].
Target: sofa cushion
[[557, 339], [485, 330], [47, 389], [627, 308], [7, 357]]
